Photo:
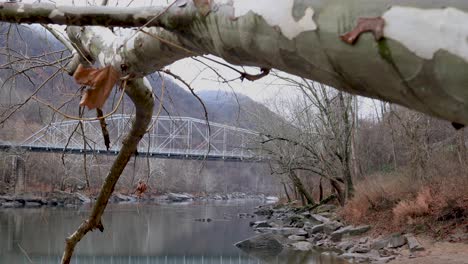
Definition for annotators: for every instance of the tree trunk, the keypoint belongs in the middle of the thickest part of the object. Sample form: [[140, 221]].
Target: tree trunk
[[302, 190], [339, 192], [286, 192]]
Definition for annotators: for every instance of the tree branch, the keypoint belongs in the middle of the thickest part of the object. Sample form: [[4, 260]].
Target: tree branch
[[143, 99], [46, 13]]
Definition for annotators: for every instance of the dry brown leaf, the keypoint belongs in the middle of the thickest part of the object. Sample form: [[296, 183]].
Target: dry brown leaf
[[101, 82]]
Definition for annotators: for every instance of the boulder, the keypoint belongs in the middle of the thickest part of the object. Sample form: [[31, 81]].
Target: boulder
[[13, 204], [179, 197], [396, 240], [260, 242], [316, 229], [302, 246], [121, 198], [296, 238], [32, 204], [379, 243], [295, 221], [52, 202], [349, 231], [356, 257], [345, 245], [413, 243], [330, 227], [283, 231], [83, 198], [319, 219], [264, 211], [258, 224], [361, 249]]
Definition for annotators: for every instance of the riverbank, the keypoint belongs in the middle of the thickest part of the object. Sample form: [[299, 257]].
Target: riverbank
[[322, 228], [76, 199]]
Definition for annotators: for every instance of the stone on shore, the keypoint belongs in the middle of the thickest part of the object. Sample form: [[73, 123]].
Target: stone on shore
[[283, 231], [296, 238], [14, 204], [266, 241], [32, 204], [264, 211], [302, 246], [179, 197], [349, 231], [413, 243], [396, 240]]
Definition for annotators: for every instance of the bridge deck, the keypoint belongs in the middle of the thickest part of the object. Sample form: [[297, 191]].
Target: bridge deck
[[158, 155]]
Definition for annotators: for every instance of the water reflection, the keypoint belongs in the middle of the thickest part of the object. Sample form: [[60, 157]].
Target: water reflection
[[138, 234]]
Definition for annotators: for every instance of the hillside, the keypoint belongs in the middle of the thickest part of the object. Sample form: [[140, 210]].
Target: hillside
[[62, 92]]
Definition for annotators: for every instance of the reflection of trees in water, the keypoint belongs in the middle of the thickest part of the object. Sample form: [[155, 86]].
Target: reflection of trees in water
[[153, 231]]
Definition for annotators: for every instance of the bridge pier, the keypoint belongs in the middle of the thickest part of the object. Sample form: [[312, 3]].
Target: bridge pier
[[19, 176]]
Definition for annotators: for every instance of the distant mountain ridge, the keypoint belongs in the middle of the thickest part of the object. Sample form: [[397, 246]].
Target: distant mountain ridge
[[223, 107]]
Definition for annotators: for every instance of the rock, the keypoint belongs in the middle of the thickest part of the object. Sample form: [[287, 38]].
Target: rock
[[264, 211], [413, 243], [295, 221], [363, 240], [32, 204], [356, 256], [379, 243], [179, 197], [330, 227], [120, 198], [361, 249], [296, 238], [345, 245], [350, 231], [396, 240], [302, 246], [325, 208], [265, 224], [383, 260], [372, 256], [306, 214], [14, 204], [52, 202], [284, 231], [261, 242], [83, 198], [316, 229], [34, 200], [258, 224], [319, 219]]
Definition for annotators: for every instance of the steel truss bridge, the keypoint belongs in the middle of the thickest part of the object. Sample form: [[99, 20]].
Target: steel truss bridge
[[167, 137]]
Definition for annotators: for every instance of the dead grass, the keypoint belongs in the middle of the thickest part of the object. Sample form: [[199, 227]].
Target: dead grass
[[396, 201], [407, 210]]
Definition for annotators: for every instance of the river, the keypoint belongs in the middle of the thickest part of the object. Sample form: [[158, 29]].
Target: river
[[137, 233]]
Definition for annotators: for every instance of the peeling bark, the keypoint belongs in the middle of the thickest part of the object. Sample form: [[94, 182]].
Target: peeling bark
[[425, 71]]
